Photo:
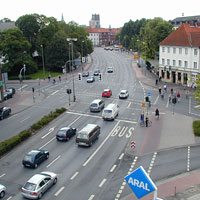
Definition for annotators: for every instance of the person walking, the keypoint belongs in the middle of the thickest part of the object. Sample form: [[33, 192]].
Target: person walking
[[59, 78], [157, 113], [147, 120], [160, 90], [165, 87], [156, 81], [178, 96]]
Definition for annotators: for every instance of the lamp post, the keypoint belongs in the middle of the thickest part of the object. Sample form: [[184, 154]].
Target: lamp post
[[72, 39], [43, 61], [82, 53]]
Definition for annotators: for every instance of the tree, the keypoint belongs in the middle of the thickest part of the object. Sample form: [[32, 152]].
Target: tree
[[197, 91], [5, 20], [15, 50]]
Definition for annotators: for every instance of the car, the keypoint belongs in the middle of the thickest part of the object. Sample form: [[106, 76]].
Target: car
[[2, 191], [34, 158], [106, 93], [110, 69], [85, 74], [91, 79], [97, 105], [37, 185], [4, 112], [97, 72], [12, 90], [123, 94], [7, 94], [65, 133]]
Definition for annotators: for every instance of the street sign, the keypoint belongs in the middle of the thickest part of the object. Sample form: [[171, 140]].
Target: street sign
[[133, 145], [143, 105], [140, 182], [149, 94]]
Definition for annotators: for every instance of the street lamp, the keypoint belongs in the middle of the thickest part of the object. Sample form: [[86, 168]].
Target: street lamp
[[43, 62], [82, 53], [72, 39]]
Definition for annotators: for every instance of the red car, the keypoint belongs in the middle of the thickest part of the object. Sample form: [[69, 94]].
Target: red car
[[106, 93]]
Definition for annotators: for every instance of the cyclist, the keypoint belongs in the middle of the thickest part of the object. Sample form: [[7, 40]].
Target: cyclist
[[157, 113]]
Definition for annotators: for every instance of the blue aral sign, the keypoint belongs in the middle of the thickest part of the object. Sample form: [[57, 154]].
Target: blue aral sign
[[140, 183], [148, 94]]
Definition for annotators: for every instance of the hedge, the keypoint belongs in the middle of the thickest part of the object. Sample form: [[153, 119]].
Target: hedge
[[196, 127], [12, 142]]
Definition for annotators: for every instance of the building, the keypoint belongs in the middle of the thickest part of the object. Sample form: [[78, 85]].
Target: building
[[194, 20], [102, 36], [95, 21], [179, 56]]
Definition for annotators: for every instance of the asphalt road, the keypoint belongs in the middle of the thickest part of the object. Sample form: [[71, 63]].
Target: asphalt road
[[96, 172]]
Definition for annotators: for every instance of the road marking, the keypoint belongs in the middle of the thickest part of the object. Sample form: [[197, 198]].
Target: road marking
[[113, 168], [156, 100], [50, 130], [25, 119], [121, 156], [102, 182], [55, 92], [82, 114], [95, 152], [122, 132], [10, 197], [152, 163], [53, 161], [59, 191], [22, 87], [91, 197], [2, 175], [75, 174], [75, 120], [129, 105], [47, 143]]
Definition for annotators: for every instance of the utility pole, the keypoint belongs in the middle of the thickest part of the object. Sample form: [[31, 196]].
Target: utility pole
[[1, 85]]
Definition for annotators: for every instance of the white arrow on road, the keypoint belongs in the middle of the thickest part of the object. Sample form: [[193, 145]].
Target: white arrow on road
[[50, 130]]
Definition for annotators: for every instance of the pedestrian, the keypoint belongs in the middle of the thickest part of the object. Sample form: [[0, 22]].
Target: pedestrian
[[59, 78], [178, 96], [162, 94], [156, 81], [54, 81], [170, 98], [172, 90], [165, 87], [160, 90], [157, 113], [49, 78], [147, 121], [142, 117], [160, 78]]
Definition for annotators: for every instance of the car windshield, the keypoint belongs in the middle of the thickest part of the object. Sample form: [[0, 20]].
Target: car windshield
[[82, 136], [93, 105], [122, 93], [107, 111], [105, 92], [29, 186], [28, 158], [61, 132]]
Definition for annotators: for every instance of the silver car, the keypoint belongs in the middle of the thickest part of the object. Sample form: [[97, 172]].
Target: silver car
[[36, 186], [2, 191]]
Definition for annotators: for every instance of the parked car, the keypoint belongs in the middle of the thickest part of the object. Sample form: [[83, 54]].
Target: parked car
[[12, 90], [2, 191], [7, 94], [65, 133], [110, 69], [85, 74], [4, 112], [106, 93], [36, 186], [97, 72], [91, 79], [123, 94], [35, 157]]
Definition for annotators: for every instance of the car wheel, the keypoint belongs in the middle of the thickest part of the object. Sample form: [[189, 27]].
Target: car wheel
[[55, 181], [36, 165], [90, 144], [40, 196], [47, 156], [2, 194]]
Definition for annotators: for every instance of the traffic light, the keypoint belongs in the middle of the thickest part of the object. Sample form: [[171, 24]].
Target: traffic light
[[33, 89], [79, 77], [147, 99], [100, 76], [69, 91]]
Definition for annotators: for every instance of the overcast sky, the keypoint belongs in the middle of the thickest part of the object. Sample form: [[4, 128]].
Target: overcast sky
[[114, 13]]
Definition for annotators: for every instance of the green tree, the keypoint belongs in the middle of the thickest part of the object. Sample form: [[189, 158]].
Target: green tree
[[197, 91], [15, 50], [5, 20]]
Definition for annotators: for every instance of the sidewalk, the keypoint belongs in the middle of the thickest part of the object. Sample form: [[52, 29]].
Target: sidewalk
[[182, 187]]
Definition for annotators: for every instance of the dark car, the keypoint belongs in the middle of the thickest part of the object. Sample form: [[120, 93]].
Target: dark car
[[65, 133], [4, 112], [7, 94], [85, 74], [110, 69], [35, 157], [96, 72], [91, 79]]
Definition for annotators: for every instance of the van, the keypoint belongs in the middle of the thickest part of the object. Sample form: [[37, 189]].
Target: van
[[97, 105], [110, 112], [88, 135]]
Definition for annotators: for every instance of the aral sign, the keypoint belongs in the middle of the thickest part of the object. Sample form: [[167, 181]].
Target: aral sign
[[140, 183]]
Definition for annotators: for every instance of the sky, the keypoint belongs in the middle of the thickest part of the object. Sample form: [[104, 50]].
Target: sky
[[112, 13]]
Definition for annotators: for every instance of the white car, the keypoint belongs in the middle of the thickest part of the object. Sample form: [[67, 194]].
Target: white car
[[2, 191], [123, 94]]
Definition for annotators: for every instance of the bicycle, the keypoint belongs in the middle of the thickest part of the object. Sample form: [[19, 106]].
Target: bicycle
[[149, 123], [143, 123]]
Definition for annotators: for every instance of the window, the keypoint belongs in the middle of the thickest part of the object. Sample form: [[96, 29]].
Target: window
[[180, 50], [168, 61], [174, 63], [186, 51], [185, 63], [163, 49], [179, 76], [41, 183], [195, 65], [168, 49], [174, 50], [195, 52], [168, 75], [179, 63], [163, 61]]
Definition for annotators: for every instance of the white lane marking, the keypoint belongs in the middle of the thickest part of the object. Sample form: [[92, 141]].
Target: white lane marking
[[53, 161], [113, 168], [2, 175], [50, 130], [102, 182], [10, 197], [152, 163], [75, 120], [121, 156], [47, 143], [88, 160], [25, 119], [75, 174], [91, 197], [122, 132], [23, 87], [55, 92], [188, 160], [129, 105], [59, 191], [156, 100]]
